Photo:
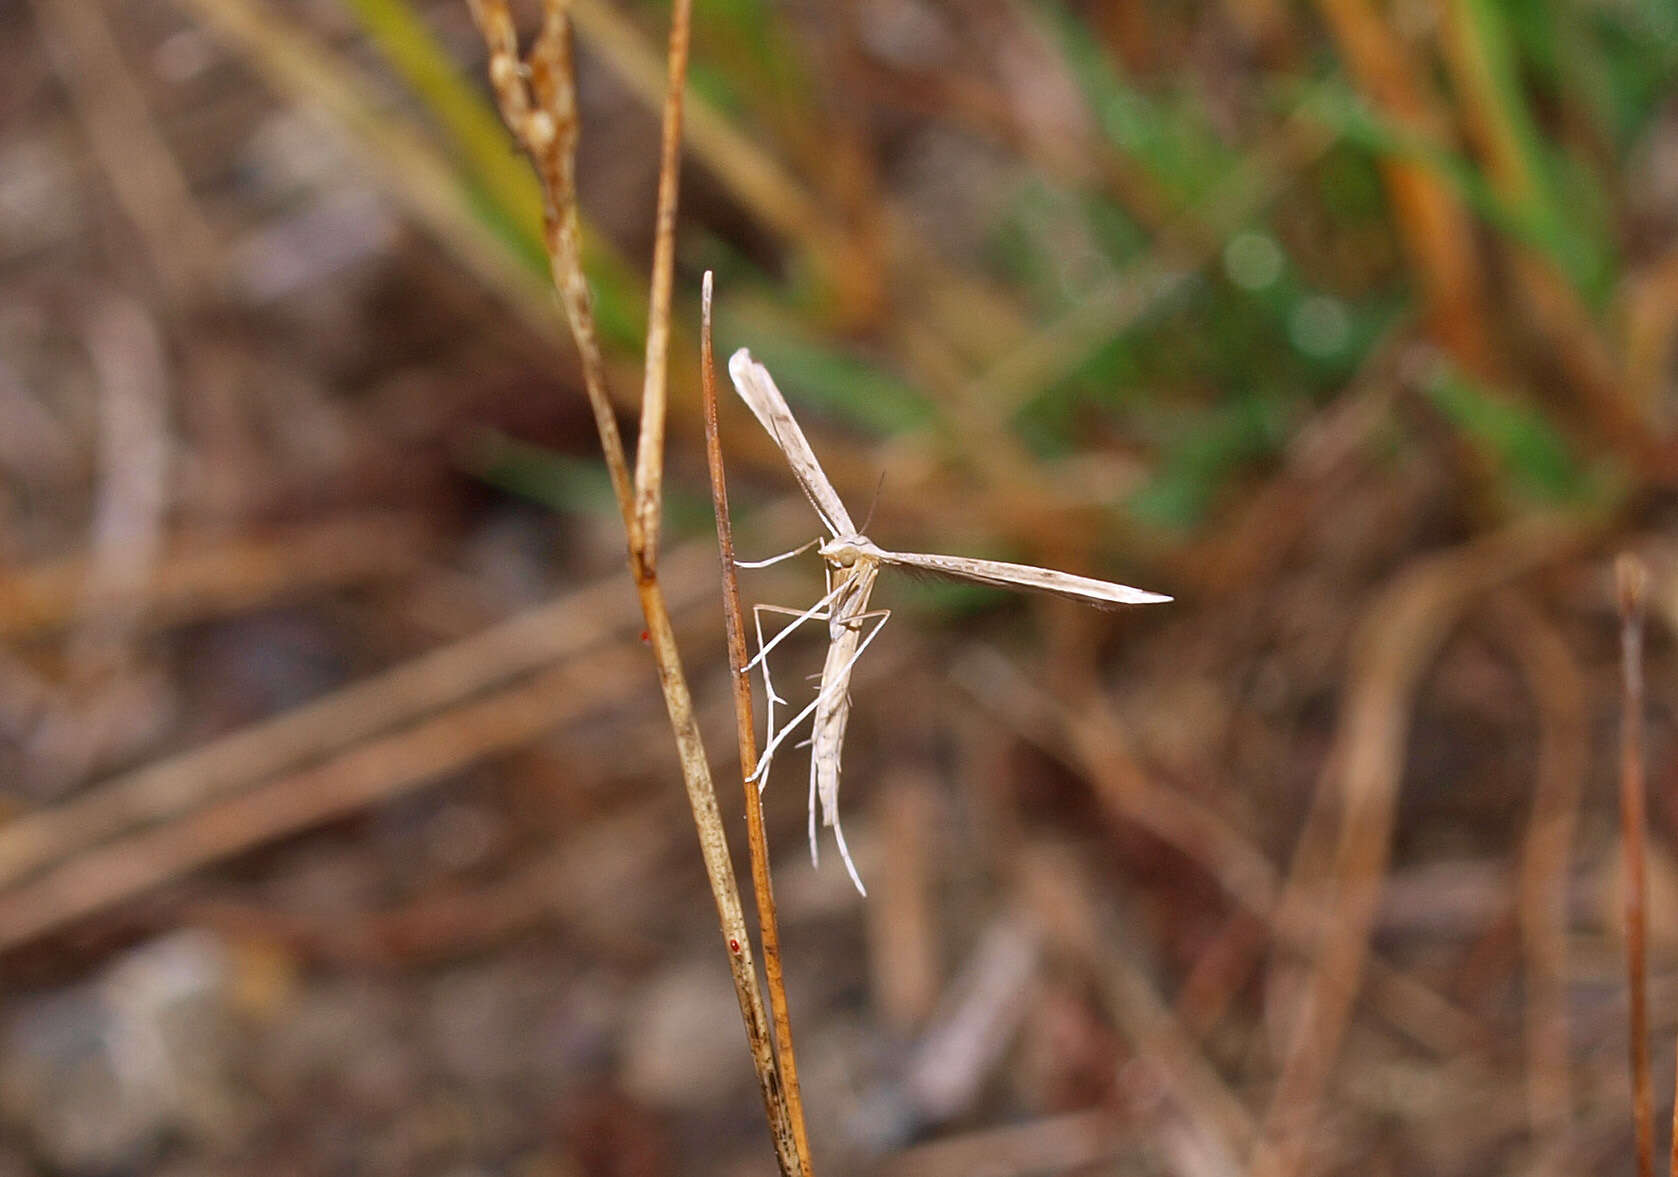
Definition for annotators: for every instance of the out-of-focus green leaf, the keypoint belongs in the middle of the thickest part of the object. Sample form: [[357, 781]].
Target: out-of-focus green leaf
[[496, 169], [1631, 51], [556, 480], [1056, 245], [1572, 246], [503, 188], [743, 58], [1610, 62], [757, 26], [1170, 139], [1349, 184], [1533, 455], [565, 483], [620, 297], [1201, 461], [1578, 241]]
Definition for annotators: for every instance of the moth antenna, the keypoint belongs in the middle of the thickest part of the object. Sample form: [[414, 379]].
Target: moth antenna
[[872, 503]]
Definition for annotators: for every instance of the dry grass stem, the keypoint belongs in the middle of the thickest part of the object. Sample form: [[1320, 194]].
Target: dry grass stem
[[1396, 641], [543, 118], [404, 694], [196, 579], [649, 447], [1631, 582], [1437, 231], [903, 917], [1672, 1160], [1558, 691], [745, 728], [1547, 294], [420, 180], [762, 184], [373, 770], [142, 171], [327, 701], [542, 114], [1166, 1054], [1073, 1142], [1086, 741], [410, 169], [773, 192]]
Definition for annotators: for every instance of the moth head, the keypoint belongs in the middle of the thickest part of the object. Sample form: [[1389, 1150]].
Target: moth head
[[844, 551]]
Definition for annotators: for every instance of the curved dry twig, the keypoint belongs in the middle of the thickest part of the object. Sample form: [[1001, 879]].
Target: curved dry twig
[[1396, 641], [1557, 688]]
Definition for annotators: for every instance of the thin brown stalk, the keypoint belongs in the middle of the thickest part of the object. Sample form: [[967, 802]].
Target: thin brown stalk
[[649, 452], [1672, 1160], [104, 876], [197, 577], [1631, 579], [144, 175], [1397, 639], [1499, 128], [1165, 1053], [543, 117], [1435, 228], [777, 196], [746, 730], [155, 794], [1085, 741], [1558, 693], [1073, 1142], [407, 164]]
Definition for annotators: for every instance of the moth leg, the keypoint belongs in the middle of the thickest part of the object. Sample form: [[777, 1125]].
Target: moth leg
[[768, 684], [813, 612], [879, 617], [777, 738], [845, 853], [799, 617], [798, 551], [841, 681]]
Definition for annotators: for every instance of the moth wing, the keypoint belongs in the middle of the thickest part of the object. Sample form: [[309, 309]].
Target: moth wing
[[757, 388], [1101, 593]]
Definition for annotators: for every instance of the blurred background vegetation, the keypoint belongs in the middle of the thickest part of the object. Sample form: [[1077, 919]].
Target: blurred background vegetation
[[338, 827]]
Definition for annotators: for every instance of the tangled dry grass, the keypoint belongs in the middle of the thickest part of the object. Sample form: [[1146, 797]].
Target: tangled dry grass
[[338, 828]]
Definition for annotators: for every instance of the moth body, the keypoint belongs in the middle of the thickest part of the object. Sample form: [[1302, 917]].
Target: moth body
[[853, 562]]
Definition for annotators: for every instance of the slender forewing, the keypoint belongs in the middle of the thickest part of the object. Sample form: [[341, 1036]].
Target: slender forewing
[[1100, 593], [757, 388]]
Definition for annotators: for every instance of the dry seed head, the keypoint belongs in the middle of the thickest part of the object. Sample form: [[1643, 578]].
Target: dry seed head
[[503, 72], [541, 130]]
